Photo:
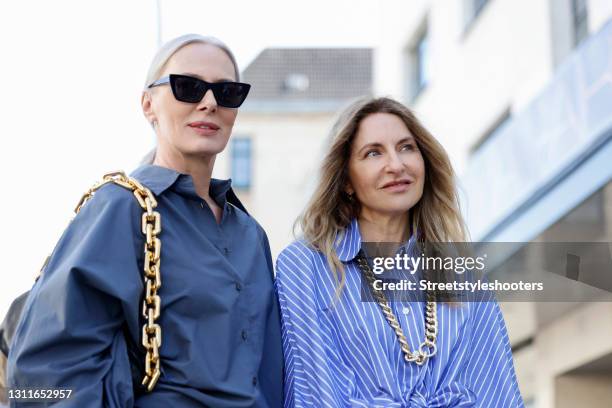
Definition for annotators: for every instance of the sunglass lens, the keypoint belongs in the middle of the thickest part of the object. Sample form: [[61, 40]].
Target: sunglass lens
[[231, 94], [188, 89]]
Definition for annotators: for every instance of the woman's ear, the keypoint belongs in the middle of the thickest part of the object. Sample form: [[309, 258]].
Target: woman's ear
[[147, 108], [348, 189]]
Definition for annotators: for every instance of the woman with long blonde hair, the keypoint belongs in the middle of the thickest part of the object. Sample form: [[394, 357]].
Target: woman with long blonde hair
[[385, 179]]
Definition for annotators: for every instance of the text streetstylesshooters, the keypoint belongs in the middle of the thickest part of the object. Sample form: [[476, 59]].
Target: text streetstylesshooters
[[457, 264], [423, 284]]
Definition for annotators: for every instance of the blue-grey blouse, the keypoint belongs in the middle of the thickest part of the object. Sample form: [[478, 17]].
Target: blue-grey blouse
[[347, 355], [221, 343]]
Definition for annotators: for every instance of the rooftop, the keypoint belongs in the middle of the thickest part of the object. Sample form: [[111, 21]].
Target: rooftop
[[299, 79]]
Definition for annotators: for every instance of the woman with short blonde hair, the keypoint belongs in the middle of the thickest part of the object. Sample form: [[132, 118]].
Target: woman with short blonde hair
[[385, 179], [209, 336]]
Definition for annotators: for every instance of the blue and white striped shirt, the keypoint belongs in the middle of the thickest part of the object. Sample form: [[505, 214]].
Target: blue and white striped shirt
[[347, 355]]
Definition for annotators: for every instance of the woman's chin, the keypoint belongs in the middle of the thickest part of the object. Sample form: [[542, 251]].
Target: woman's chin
[[393, 211], [399, 207], [205, 150], [206, 145]]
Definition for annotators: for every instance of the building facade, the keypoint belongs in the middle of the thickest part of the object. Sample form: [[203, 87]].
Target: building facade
[[520, 94]]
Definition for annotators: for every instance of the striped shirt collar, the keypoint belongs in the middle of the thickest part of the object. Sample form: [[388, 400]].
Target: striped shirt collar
[[349, 242]]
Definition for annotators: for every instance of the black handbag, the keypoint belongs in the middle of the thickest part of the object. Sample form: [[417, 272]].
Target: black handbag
[[7, 329]]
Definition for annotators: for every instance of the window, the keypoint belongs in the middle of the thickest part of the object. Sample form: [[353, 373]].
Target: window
[[420, 65], [472, 9], [569, 27], [478, 5], [580, 20], [422, 62], [501, 121], [241, 162]]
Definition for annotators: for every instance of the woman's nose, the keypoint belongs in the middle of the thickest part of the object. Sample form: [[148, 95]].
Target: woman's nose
[[394, 162], [208, 102]]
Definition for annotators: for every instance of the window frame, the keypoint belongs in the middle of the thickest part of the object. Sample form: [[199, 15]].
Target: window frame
[[241, 149]]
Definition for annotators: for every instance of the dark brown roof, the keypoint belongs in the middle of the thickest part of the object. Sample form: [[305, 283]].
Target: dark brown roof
[[319, 76]]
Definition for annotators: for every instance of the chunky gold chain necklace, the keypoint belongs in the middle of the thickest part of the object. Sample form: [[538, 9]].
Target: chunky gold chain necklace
[[427, 348]]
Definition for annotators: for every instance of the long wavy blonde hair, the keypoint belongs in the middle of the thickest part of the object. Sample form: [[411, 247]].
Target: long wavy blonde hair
[[435, 218]]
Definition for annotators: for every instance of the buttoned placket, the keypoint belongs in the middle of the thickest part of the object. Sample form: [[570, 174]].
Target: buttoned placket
[[224, 247]]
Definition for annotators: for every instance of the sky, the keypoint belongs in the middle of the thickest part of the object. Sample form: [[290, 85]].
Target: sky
[[72, 74], [250, 26]]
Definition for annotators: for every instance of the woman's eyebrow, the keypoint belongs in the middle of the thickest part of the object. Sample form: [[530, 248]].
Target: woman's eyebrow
[[406, 139], [376, 144]]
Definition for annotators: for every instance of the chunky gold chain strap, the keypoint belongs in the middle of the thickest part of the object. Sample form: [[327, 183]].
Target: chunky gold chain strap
[[431, 319], [151, 306]]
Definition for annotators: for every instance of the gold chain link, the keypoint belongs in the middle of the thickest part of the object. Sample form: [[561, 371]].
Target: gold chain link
[[151, 305], [431, 319]]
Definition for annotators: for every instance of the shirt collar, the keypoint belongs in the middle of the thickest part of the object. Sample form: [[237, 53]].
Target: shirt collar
[[349, 242], [158, 179], [155, 178]]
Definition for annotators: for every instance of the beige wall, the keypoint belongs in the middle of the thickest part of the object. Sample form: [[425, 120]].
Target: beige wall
[[593, 391], [581, 336], [287, 152]]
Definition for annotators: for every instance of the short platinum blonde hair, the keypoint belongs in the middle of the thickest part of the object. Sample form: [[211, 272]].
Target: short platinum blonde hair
[[167, 50]]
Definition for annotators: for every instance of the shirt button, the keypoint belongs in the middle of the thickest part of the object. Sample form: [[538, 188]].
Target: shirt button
[[254, 380], [405, 310], [238, 286], [244, 335]]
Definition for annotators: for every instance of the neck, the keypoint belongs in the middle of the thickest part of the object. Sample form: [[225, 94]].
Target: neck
[[198, 167], [376, 227]]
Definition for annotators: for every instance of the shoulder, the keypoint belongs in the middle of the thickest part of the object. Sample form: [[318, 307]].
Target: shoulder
[[112, 194], [110, 205], [298, 258], [303, 278], [298, 249], [100, 246]]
